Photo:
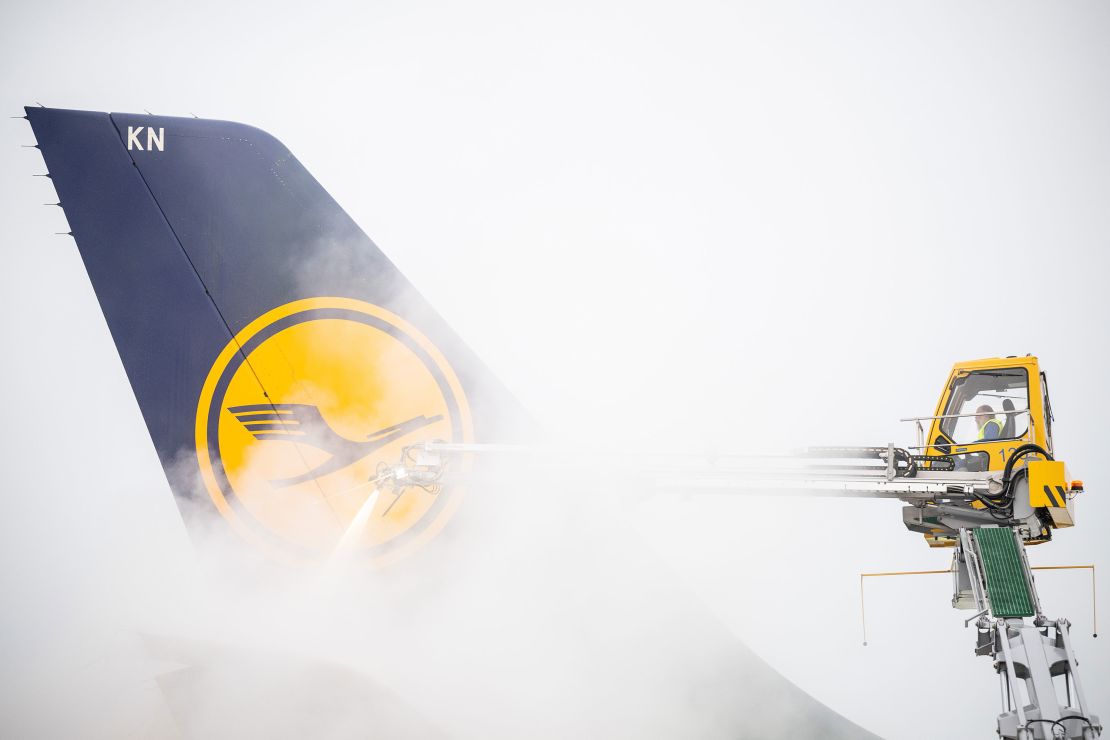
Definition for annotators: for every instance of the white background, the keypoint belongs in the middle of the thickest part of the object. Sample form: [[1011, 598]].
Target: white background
[[691, 225]]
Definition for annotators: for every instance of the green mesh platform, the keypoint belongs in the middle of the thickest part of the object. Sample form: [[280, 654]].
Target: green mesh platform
[[1002, 566]]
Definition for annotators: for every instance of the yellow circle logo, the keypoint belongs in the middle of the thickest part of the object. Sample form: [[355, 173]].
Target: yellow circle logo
[[301, 409]]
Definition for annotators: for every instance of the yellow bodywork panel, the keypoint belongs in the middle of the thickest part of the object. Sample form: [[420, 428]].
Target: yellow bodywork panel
[[1048, 488]]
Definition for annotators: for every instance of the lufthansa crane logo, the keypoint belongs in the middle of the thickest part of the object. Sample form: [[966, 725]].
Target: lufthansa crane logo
[[301, 408]]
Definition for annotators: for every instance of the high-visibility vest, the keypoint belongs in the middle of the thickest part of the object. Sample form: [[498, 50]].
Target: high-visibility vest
[[983, 429]]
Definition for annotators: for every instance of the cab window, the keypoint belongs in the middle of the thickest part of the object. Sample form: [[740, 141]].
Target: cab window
[[987, 404], [1048, 417]]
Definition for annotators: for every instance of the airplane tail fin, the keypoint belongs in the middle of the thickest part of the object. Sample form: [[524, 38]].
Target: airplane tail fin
[[230, 278]]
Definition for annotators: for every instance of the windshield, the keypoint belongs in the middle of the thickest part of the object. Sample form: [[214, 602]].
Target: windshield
[[989, 404]]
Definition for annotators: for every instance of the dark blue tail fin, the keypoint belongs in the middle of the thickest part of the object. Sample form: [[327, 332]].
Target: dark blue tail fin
[[277, 355]]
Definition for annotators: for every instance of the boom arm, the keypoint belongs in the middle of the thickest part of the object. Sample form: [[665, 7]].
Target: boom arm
[[988, 516], [939, 502]]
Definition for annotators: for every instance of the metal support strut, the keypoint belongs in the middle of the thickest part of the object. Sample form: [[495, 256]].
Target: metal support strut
[[1035, 657]]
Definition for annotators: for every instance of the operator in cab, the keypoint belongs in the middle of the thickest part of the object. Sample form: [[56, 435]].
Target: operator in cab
[[989, 425]]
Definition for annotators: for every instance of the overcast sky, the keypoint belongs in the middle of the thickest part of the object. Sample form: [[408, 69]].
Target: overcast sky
[[689, 224]]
